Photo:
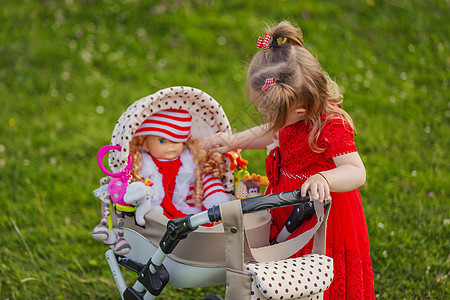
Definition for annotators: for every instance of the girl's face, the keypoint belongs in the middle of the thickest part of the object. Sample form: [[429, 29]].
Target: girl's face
[[162, 148]]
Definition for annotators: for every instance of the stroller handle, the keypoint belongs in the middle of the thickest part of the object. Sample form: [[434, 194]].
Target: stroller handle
[[264, 202], [178, 229], [154, 276]]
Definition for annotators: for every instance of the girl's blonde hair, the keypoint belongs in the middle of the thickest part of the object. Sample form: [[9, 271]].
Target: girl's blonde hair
[[301, 83], [207, 162]]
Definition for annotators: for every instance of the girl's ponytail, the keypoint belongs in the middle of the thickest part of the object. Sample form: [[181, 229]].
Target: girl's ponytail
[[285, 33]]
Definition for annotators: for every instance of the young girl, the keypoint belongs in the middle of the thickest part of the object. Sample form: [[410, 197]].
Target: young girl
[[314, 150], [185, 178]]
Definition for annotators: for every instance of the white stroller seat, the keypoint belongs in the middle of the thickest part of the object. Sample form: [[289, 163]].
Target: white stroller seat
[[201, 254], [206, 245]]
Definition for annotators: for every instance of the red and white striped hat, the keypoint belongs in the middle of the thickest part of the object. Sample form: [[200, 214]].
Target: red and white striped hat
[[171, 124]]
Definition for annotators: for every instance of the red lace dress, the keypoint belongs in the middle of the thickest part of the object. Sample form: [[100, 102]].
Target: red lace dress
[[288, 166]]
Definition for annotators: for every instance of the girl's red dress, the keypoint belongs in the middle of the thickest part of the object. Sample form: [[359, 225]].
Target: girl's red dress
[[288, 166]]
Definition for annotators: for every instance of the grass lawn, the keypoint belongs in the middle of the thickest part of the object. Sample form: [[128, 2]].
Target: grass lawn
[[68, 69]]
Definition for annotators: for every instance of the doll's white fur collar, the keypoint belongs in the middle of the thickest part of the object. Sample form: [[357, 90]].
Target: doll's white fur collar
[[184, 180]]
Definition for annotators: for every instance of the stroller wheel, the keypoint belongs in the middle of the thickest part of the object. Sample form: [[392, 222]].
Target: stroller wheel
[[212, 297]]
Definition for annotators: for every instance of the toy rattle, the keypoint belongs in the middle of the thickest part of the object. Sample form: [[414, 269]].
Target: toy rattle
[[136, 200]]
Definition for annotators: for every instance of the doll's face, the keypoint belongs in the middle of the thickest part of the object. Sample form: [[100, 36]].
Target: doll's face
[[162, 148]]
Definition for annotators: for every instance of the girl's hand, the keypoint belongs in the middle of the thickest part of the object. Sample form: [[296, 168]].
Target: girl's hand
[[221, 142], [318, 186], [253, 138]]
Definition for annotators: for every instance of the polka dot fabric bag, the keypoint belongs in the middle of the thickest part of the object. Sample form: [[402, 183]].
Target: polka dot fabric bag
[[267, 273], [306, 277]]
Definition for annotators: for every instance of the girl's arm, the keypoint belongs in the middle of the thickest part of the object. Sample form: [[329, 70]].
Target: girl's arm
[[348, 175], [253, 138]]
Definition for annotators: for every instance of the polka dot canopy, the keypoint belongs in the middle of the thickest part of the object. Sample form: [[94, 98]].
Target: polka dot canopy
[[207, 114]]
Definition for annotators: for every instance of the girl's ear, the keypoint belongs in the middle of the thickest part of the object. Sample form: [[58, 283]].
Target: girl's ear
[[300, 110]]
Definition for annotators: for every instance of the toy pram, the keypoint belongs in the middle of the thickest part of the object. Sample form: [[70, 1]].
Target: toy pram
[[180, 252]]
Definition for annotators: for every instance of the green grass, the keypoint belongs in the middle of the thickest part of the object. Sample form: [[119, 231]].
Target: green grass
[[68, 69]]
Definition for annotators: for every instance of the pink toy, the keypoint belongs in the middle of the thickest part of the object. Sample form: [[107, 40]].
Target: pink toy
[[117, 187]]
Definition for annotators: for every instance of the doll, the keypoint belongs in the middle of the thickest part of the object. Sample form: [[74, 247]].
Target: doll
[[185, 177]]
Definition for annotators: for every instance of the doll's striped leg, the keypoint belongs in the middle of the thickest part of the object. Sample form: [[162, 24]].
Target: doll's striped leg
[[101, 231], [121, 246]]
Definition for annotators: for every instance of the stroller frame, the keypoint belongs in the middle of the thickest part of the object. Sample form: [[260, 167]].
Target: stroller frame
[[153, 277]]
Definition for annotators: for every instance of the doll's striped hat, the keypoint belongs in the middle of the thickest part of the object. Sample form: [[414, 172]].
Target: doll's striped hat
[[171, 124]]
